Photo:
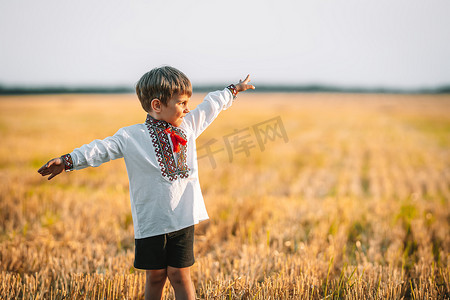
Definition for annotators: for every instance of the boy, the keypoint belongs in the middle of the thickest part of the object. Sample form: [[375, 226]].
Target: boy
[[161, 160]]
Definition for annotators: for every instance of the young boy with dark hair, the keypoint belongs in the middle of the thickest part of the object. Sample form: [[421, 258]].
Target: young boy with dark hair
[[161, 160]]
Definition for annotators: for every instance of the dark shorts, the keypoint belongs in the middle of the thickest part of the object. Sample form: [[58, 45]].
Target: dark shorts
[[174, 249]]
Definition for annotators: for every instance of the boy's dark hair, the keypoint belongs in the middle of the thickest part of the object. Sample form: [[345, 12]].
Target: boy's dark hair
[[162, 83]]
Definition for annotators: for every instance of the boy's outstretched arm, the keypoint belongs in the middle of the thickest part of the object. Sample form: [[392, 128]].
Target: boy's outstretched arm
[[52, 168], [206, 112], [244, 85]]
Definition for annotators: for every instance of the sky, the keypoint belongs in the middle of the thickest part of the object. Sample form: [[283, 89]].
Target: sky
[[351, 43]]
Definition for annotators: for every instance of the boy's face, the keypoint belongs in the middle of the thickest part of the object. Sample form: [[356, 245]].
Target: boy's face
[[176, 109]]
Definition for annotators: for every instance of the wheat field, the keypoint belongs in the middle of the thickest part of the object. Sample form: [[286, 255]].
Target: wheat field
[[310, 196]]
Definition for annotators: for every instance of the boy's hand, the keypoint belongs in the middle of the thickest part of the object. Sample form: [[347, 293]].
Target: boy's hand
[[243, 85], [52, 168]]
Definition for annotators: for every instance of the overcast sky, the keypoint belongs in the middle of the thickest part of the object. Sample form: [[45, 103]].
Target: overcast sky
[[385, 43]]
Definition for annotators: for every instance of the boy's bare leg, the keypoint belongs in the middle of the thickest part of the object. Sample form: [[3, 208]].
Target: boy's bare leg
[[154, 283], [180, 278]]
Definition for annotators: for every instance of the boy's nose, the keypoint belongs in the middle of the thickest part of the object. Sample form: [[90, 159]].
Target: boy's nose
[[186, 110]]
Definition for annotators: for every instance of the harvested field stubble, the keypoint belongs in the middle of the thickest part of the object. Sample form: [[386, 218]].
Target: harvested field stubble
[[351, 201]]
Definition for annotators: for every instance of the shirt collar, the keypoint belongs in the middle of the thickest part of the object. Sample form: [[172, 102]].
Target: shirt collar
[[157, 123]]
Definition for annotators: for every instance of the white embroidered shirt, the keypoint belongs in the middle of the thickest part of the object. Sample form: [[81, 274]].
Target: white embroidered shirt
[[165, 191]]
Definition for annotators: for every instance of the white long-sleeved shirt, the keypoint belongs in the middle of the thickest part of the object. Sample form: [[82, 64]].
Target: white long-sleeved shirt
[[165, 192]]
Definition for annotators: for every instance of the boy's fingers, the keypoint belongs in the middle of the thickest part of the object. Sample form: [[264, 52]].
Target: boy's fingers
[[44, 172], [50, 168], [44, 166], [247, 79]]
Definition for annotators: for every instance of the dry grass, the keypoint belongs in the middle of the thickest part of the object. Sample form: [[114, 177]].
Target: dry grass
[[354, 205]]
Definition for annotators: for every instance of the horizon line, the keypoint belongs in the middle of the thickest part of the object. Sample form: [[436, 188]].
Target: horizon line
[[201, 88]]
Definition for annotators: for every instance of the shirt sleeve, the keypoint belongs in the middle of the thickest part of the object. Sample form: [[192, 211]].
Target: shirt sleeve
[[98, 152], [203, 115]]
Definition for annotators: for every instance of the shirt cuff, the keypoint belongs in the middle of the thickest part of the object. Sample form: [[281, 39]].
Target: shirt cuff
[[232, 88], [68, 162]]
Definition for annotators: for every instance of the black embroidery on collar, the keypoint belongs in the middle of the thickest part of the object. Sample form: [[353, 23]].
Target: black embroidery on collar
[[164, 152]]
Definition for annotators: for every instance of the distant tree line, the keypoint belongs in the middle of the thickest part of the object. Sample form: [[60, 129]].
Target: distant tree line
[[4, 90]]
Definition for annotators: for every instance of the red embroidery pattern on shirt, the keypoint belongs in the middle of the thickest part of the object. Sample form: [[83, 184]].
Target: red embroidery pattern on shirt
[[163, 150], [232, 88], [68, 162]]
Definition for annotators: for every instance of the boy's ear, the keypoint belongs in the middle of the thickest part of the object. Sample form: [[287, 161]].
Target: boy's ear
[[155, 104]]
